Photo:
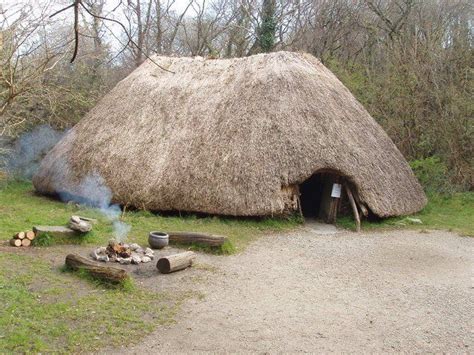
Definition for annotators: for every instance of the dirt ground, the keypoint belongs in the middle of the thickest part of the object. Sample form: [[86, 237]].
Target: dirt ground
[[404, 291]]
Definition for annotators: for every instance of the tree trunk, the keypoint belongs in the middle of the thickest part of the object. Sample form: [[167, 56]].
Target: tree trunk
[[175, 262], [107, 273]]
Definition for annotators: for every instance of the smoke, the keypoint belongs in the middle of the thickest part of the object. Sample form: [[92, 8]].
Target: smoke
[[24, 158], [93, 191], [23, 161]]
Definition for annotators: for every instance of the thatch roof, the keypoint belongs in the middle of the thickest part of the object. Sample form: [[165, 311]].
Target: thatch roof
[[229, 137]]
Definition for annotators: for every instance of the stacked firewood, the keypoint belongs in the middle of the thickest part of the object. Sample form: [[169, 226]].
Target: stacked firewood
[[22, 239]]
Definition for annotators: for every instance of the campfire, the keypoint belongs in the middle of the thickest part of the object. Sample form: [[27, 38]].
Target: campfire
[[123, 253]]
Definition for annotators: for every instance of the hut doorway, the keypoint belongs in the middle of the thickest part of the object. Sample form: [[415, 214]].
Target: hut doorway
[[317, 197]]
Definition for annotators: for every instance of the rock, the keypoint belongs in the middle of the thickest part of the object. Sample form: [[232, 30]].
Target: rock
[[103, 258], [99, 255], [94, 255], [140, 250], [124, 261], [146, 259], [136, 259], [75, 223], [101, 250], [150, 253], [134, 247]]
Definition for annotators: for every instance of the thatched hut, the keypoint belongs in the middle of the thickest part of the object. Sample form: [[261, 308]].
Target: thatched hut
[[262, 135]]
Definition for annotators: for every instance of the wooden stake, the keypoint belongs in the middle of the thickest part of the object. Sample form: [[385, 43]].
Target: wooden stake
[[25, 242], [15, 242], [175, 262], [354, 207], [363, 209]]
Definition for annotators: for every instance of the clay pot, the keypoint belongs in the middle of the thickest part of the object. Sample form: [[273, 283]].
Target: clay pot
[[158, 240]]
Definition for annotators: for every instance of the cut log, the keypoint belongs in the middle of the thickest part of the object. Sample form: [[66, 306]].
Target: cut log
[[30, 235], [15, 242], [175, 262], [25, 242], [20, 235], [197, 238], [105, 273], [55, 231], [354, 207]]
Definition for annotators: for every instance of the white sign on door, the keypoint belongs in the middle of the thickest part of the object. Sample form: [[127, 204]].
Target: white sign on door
[[336, 190]]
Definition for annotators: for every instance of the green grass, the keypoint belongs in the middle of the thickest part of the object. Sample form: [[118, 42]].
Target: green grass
[[21, 208], [450, 212], [46, 310]]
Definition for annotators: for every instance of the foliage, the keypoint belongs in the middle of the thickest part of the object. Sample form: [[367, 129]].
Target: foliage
[[21, 208], [43, 240], [433, 174], [453, 212]]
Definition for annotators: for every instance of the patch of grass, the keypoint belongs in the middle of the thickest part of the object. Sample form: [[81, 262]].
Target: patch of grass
[[21, 208], [43, 240], [45, 310], [126, 285], [453, 212]]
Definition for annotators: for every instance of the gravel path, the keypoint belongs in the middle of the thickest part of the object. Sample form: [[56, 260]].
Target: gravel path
[[306, 292]]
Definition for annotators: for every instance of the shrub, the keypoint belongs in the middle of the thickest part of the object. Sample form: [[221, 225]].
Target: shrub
[[433, 175]]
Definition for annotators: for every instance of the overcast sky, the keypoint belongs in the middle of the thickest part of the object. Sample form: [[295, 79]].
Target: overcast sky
[[11, 9]]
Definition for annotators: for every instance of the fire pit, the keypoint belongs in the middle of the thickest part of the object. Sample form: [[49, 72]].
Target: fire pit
[[123, 253]]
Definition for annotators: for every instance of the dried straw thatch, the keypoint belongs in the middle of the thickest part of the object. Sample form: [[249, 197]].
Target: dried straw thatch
[[230, 137]]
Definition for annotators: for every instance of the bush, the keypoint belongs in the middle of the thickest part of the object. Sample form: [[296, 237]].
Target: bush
[[433, 175]]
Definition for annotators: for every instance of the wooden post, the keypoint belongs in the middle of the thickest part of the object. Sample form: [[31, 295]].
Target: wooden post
[[354, 207]]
